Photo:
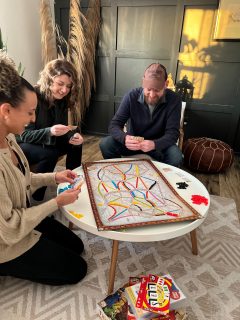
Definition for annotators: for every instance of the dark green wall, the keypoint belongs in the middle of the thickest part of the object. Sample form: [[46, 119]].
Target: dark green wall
[[178, 34]]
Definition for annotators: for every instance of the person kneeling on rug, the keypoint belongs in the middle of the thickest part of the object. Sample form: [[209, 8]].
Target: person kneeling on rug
[[49, 136], [33, 246]]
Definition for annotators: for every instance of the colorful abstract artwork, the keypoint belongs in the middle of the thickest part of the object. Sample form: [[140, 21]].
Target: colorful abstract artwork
[[133, 193]]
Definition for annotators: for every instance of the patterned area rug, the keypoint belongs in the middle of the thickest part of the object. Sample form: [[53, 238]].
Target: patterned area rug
[[211, 280]]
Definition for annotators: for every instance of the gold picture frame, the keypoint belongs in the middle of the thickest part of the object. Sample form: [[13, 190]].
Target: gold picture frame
[[228, 20]]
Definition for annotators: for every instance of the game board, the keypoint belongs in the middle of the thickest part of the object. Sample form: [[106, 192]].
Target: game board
[[133, 193]]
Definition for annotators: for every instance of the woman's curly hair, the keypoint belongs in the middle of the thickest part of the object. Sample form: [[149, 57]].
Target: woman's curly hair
[[12, 85], [55, 68]]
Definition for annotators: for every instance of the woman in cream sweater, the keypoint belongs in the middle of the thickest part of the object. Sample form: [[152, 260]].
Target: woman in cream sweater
[[33, 246]]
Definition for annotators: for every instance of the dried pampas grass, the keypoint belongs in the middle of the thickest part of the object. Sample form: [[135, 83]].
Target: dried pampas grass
[[92, 28], [62, 45], [48, 39], [80, 49], [77, 48]]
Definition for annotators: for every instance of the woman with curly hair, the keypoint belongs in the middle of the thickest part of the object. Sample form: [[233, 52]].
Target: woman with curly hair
[[33, 246], [50, 136]]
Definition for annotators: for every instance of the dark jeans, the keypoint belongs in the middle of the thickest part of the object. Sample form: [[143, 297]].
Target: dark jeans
[[111, 148], [54, 259], [45, 158]]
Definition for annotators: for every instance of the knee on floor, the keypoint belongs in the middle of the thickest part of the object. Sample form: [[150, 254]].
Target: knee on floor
[[77, 271]]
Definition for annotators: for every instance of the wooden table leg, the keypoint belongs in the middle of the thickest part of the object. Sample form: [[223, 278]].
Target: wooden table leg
[[193, 235], [112, 270], [70, 226]]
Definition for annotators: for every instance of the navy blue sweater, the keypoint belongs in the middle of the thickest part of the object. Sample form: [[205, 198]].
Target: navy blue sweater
[[162, 126]]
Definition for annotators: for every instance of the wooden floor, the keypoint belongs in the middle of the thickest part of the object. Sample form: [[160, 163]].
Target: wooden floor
[[225, 184]]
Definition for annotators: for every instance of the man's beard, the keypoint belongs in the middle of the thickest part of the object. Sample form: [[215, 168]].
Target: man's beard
[[152, 102]]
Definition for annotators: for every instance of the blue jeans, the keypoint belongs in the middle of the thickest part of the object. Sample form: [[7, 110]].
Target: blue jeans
[[111, 148]]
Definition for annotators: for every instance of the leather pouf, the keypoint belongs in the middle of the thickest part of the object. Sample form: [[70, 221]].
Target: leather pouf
[[207, 155]]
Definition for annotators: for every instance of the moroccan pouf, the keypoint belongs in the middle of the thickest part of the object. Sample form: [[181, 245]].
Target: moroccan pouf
[[207, 155]]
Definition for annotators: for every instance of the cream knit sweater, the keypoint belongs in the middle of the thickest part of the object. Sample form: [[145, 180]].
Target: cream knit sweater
[[17, 222]]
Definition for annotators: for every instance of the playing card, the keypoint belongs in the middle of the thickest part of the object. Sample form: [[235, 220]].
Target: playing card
[[138, 138], [78, 182]]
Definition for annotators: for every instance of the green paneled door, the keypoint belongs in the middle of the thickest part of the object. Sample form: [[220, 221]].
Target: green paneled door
[[178, 34]]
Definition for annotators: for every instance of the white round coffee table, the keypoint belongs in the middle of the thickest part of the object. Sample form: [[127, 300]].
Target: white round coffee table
[[80, 213]]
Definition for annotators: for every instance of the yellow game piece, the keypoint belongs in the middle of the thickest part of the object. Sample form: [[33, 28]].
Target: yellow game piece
[[76, 215]]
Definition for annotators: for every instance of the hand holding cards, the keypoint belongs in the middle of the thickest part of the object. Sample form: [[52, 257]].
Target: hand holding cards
[[76, 139], [133, 142], [74, 136]]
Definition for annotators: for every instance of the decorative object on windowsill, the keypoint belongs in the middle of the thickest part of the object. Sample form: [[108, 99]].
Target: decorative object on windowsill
[[170, 82], [207, 155], [3, 50], [185, 88]]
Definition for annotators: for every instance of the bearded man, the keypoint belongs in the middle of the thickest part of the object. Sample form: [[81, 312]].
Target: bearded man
[[152, 114]]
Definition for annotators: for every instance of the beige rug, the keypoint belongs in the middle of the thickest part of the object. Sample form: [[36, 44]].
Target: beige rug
[[211, 281]]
